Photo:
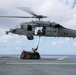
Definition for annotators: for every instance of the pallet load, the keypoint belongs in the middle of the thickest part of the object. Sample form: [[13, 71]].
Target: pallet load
[[29, 55]]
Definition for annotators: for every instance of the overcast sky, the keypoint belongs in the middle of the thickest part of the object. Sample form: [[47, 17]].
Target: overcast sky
[[59, 11]]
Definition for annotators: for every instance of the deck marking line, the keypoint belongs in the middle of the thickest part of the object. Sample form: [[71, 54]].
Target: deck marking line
[[60, 58], [41, 63]]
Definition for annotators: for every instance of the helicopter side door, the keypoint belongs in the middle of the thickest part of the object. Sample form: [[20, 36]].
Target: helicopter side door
[[51, 31], [30, 32]]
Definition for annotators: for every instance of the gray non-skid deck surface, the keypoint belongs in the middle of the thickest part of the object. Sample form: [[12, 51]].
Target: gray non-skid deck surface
[[44, 66]]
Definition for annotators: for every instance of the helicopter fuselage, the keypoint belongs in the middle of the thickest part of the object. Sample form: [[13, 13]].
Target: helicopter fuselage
[[42, 28]]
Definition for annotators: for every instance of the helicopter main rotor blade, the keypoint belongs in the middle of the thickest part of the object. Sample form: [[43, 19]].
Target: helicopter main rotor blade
[[28, 10], [15, 17]]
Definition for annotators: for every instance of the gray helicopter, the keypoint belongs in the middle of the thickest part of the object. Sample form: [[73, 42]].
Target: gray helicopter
[[39, 28]]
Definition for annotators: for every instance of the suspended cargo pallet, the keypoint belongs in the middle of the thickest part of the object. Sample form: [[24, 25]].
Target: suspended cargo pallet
[[29, 55]]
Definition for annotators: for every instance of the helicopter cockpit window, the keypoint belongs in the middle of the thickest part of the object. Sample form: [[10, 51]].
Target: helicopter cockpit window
[[17, 26], [29, 27]]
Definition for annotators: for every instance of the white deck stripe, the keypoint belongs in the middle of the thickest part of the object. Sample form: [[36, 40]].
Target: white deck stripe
[[41, 63], [60, 58]]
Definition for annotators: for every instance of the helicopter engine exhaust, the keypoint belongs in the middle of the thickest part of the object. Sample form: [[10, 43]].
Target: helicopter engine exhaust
[[30, 37]]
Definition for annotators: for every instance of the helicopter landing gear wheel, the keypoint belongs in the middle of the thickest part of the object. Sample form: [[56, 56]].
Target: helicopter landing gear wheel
[[30, 37]]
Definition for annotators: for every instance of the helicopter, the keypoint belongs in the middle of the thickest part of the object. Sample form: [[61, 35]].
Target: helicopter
[[44, 28]]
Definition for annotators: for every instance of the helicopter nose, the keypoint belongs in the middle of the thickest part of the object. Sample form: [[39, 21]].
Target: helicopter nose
[[13, 30]]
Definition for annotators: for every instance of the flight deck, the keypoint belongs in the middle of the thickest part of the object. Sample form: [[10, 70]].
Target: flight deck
[[45, 66]]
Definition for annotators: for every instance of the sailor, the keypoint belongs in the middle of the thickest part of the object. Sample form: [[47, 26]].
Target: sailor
[[39, 31], [34, 50]]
